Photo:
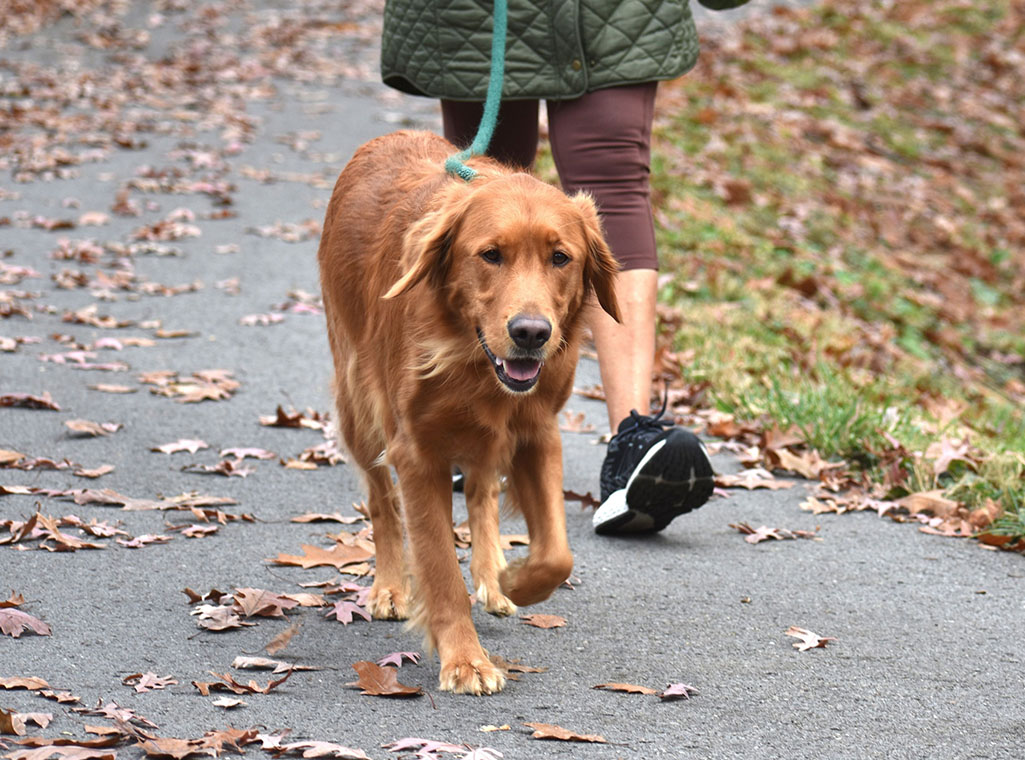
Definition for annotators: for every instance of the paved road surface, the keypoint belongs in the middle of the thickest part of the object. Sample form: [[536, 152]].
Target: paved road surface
[[927, 660]]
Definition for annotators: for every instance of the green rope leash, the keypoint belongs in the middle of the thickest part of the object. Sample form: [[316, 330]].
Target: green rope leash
[[454, 164]]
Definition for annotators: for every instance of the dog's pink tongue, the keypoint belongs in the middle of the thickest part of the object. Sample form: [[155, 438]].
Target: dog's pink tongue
[[522, 369]]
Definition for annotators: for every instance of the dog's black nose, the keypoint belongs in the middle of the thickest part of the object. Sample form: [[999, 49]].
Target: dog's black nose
[[529, 332]]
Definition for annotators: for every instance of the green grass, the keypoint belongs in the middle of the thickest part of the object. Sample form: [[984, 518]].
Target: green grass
[[876, 270]]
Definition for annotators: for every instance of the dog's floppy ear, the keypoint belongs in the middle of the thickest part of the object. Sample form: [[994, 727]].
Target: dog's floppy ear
[[601, 266], [426, 249]]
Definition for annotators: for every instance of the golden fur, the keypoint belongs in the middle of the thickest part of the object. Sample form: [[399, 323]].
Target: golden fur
[[420, 271]]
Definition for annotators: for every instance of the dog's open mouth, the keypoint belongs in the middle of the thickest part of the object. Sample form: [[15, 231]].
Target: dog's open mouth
[[517, 373]]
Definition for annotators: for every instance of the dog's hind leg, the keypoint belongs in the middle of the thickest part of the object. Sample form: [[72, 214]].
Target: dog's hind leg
[[487, 560], [535, 487], [389, 595]]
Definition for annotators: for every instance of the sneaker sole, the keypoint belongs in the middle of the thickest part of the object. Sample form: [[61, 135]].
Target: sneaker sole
[[674, 477]]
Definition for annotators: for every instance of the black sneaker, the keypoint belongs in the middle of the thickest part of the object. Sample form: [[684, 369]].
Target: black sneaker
[[652, 473]]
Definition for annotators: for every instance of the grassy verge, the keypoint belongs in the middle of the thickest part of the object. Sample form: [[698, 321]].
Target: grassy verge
[[840, 196]]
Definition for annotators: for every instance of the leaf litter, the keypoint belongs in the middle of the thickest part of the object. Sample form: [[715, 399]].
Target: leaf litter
[[189, 389]]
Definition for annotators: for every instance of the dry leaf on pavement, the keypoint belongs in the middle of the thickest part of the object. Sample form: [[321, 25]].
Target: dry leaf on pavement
[[550, 731], [89, 428], [273, 745], [325, 517], [144, 682], [190, 445], [677, 691], [283, 639], [337, 556], [28, 401], [229, 702], [376, 681], [808, 640], [629, 688], [425, 748], [228, 683], [266, 663], [344, 610], [13, 622], [396, 659], [752, 479], [763, 533], [539, 620], [13, 724], [258, 601]]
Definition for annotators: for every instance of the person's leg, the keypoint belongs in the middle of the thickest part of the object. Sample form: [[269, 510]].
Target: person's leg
[[652, 471], [514, 141], [627, 349], [601, 144]]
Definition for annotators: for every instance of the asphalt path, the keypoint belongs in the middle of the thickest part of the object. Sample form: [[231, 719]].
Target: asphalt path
[[927, 657]]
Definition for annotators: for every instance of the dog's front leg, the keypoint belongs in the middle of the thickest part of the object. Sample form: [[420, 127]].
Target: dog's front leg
[[444, 606], [487, 561], [535, 486]]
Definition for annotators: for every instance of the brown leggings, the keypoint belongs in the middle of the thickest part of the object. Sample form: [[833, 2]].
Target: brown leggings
[[601, 143]]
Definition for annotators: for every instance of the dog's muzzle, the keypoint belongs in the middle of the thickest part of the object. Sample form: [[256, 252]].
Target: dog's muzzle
[[517, 373]]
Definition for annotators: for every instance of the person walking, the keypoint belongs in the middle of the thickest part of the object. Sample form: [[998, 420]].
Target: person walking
[[596, 64]]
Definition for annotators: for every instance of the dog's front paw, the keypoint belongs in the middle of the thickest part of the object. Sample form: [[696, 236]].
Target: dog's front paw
[[494, 601], [476, 675], [388, 602], [532, 580]]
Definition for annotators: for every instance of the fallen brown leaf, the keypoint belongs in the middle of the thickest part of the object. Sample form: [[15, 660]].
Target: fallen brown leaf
[[586, 499], [677, 691], [218, 618], [324, 517], [344, 610], [376, 681], [550, 731], [13, 724], [266, 663], [273, 745], [31, 683], [752, 479], [337, 556], [14, 600], [89, 428], [28, 401], [539, 620], [230, 468], [228, 683], [112, 388], [763, 533], [808, 640], [228, 702], [144, 540], [13, 622], [260, 602], [629, 688], [190, 445], [144, 682], [282, 640], [96, 472], [281, 418]]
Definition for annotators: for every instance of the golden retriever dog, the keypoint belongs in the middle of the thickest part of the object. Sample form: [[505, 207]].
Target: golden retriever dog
[[454, 312]]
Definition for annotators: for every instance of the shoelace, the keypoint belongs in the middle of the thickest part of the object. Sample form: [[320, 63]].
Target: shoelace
[[649, 421]]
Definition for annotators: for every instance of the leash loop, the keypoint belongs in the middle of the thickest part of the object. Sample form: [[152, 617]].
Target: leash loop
[[454, 164]]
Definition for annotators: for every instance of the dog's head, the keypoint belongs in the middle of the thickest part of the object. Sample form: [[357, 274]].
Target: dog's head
[[514, 260]]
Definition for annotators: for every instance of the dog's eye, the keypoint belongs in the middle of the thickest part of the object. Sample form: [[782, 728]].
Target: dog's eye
[[560, 259], [492, 256]]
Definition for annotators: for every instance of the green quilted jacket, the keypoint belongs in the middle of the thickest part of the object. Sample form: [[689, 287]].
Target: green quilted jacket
[[556, 49]]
